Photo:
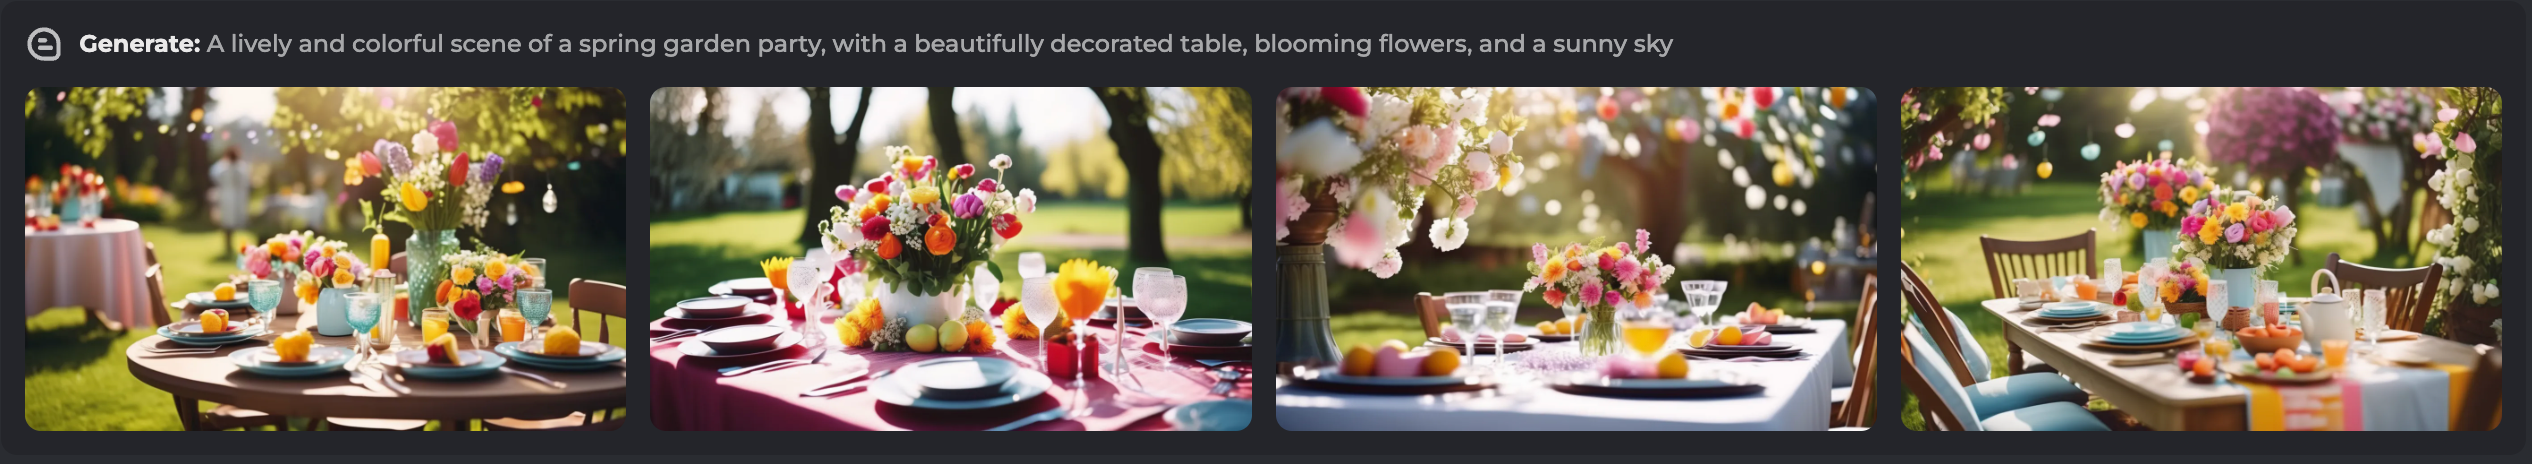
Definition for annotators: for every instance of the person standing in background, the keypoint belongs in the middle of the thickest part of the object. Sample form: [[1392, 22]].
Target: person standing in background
[[230, 180]]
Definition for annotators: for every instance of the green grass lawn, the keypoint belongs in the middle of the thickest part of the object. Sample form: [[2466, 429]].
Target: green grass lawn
[[76, 377], [1941, 231], [691, 252]]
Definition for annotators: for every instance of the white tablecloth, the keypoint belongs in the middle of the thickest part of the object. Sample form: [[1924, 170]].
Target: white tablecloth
[[1797, 398], [96, 268]]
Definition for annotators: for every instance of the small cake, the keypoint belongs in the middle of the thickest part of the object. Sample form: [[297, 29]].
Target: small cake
[[215, 320], [1394, 364], [293, 347], [562, 341], [443, 350], [224, 292]]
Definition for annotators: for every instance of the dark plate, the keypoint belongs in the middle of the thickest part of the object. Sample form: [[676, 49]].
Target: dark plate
[[1711, 392]]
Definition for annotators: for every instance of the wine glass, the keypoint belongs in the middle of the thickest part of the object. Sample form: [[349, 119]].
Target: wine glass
[[1646, 330], [1164, 301], [1500, 305], [1032, 264], [363, 314], [804, 278], [536, 304], [1146, 276], [535, 271], [265, 296], [2375, 314], [1468, 313], [1037, 301], [1704, 297]]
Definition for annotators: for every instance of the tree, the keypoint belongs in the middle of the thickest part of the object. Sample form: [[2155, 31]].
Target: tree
[[1129, 125], [831, 158], [945, 133]]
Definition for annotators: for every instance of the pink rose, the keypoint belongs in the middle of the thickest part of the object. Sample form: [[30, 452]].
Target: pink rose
[[1608, 263], [1467, 207], [844, 193], [875, 228], [2262, 221], [1350, 99], [2192, 223]]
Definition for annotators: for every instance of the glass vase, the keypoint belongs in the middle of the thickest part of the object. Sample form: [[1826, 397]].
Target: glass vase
[[424, 267], [1597, 331]]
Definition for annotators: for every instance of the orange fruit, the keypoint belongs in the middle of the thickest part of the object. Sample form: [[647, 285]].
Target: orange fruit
[[1441, 362], [1671, 366], [1730, 336], [1358, 361]]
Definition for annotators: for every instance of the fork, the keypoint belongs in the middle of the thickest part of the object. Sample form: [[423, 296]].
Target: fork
[[766, 366], [675, 335], [537, 378], [1230, 379]]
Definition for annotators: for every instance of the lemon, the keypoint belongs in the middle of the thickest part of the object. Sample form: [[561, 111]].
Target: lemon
[[1672, 366], [923, 338], [224, 292], [953, 337]]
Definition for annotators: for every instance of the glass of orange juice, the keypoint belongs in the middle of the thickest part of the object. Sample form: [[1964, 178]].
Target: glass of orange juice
[[1645, 330], [513, 326], [2334, 352], [435, 323]]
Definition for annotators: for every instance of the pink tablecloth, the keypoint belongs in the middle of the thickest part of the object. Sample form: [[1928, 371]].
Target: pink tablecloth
[[691, 394], [96, 268]]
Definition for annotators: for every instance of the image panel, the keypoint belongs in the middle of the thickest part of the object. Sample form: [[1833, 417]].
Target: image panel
[[325, 258], [2201, 258], [1574, 258], [951, 259]]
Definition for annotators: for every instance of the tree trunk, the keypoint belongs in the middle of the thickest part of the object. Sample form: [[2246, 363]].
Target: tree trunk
[[953, 147], [196, 160], [1128, 125], [831, 158]]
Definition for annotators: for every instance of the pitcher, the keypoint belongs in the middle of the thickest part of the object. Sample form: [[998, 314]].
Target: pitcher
[[2328, 316]]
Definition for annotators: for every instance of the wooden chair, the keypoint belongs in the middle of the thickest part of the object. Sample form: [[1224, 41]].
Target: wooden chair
[[607, 300], [2040, 260], [1938, 415], [1855, 409], [1429, 310], [2408, 294], [2483, 400], [220, 417], [1941, 332]]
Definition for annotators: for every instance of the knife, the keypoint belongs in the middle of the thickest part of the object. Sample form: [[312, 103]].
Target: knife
[[846, 383]]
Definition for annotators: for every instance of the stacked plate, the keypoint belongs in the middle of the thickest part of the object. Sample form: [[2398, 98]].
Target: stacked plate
[[1701, 383], [2139, 333], [469, 364], [741, 340], [1777, 349], [203, 300], [192, 333], [962, 383], [2070, 310], [1209, 339], [713, 308], [262, 360], [592, 355]]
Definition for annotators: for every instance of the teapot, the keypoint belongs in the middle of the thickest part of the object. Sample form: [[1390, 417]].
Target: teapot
[[2328, 316]]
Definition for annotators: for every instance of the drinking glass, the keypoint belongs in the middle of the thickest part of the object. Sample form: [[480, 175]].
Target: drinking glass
[[1037, 301], [435, 324], [363, 314], [535, 271], [1500, 306], [1154, 276], [2266, 297], [1164, 301], [514, 327], [1032, 264], [804, 278], [1468, 310], [1704, 297], [2219, 297], [2334, 352], [536, 304], [2374, 318], [1646, 330], [265, 296]]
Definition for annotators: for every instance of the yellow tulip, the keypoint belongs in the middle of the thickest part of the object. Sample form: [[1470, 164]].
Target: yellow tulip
[[412, 197]]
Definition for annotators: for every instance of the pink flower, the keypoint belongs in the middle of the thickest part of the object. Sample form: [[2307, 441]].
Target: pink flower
[[2285, 217], [878, 185], [1288, 201], [1627, 270], [1643, 240], [2263, 221], [1467, 207], [2419, 141], [1978, 142], [2447, 114], [1350, 99], [875, 228], [447, 133], [1607, 263], [1486, 179], [962, 171], [967, 205], [2233, 233], [1611, 298], [1361, 244], [259, 262], [2463, 143], [845, 193], [2193, 222], [988, 185], [1591, 291], [1538, 253], [1389, 265], [2435, 146]]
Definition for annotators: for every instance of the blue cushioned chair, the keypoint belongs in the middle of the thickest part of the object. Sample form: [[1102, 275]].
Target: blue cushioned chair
[[2042, 402]]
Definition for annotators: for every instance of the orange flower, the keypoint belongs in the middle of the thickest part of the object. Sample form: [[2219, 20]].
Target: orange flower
[[940, 240], [442, 294], [1081, 286], [1554, 270], [277, 248], [979, 337], [888, 247], [777, 270]]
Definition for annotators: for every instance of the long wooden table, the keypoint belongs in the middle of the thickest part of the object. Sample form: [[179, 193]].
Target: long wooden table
[[2158, 395]]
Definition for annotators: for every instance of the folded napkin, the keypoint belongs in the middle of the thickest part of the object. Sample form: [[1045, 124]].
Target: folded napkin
[[2331, 406]]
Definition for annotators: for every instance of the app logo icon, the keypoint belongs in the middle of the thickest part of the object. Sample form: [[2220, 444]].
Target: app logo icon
[[44, 44]]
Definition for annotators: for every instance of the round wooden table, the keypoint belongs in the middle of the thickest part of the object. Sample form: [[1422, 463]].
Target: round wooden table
[[210, 377]]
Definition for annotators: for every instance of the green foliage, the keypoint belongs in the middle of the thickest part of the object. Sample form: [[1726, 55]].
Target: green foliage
[[504, 120], [89, 115], [1929, 115]]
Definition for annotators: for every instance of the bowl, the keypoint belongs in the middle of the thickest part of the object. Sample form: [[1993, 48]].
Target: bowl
[[2252, 344], [1210, 332], [715, 307], [742, 339]]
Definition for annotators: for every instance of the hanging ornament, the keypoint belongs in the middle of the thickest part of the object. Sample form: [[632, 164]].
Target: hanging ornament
[[2045, 167], [2092, 151], [2124, 130], [2052, 94], [550, 202], [2165, 145], [1979, 142], [2048, 120], [2037, 137]]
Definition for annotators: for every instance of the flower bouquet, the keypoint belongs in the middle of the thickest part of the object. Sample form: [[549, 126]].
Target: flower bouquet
[[922, 230], [436, 189], [1592, 281], [2240, 234], [2471, 247], [2183, 288], [1371, 157], [79, 197], [480, 283], [2149, 196]]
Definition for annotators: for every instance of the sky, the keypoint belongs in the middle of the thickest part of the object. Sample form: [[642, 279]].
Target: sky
[[1049, 117]]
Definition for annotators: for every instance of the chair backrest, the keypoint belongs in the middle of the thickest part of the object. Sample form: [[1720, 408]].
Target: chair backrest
[[1858, 409], [1942, 404], [2484, 398], [2408, 294], [157, 295], [1429, 310], [603, 298], [1945, 338], [2015, 259], [150, 250]]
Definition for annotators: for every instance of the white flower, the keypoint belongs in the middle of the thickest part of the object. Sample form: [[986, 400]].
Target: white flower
[[2470, 224], [1028, 201], [1000, 162], [1471, 109], [2487, 291], [2461, 265], [425, 144], [1449, 233], [2461, 178], [1389, 264], [1499, 144], [1319, 149], [1387, 115]]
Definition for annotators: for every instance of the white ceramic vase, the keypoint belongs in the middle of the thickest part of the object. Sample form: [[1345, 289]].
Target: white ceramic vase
[[933, 309]]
